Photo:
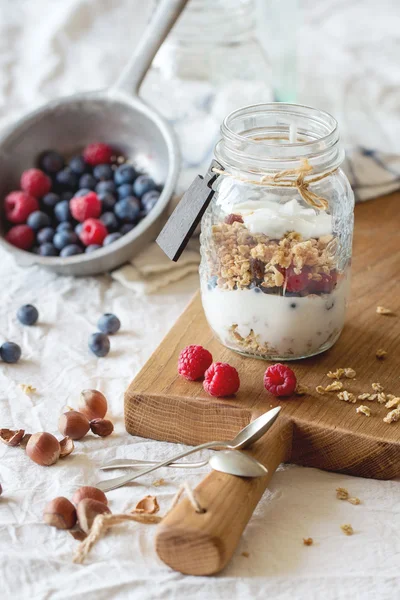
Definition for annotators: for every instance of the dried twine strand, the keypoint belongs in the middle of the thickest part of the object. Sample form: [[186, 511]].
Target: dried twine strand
[[102, 523], [285, 179]]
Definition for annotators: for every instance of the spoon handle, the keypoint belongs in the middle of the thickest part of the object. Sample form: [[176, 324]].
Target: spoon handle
[[129, 464], [203, 543], [160, 25], [112, 484]]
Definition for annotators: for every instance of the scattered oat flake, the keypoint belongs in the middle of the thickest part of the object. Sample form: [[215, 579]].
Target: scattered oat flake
[[159, 482], [372, 397], [377, 387], [347, 397], [147, 505], [301, 390], [334, 387], [27, 389], [320, 389], [380, 353], [342, 493], [392, 402], [347, 529], [381, 310], [363, 410], [350, 373], [382, 399], [364, 396], [308, 541], [354, 501], [335, 374], [392, 416], [245, 554]]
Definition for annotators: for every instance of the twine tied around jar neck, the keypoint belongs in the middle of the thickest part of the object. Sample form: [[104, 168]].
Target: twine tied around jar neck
[[285, 179]]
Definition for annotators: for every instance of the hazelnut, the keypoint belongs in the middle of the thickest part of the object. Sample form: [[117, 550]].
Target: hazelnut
[[67, 446], [11, 437], [1, 489], [73, 424], [60, 513], [101, 427], [43, 448], [87, 511], [87, 491], [92, 404]]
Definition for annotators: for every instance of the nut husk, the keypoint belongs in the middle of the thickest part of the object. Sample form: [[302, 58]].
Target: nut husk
[[87, 491], [11, 437], [87, 511], [67, 446], [92, 404], [25, 440], [101, 427], [73, 424], [60, 513], [147, 505], [43, 448]]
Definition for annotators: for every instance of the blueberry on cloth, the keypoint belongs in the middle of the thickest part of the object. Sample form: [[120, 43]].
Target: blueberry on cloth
[[45, 235], [38, 220], [110, 221], [82, 192], [92, 248], [111, 237], [126, 228], [64, 226], [27, 314], [107, 201], [47, 250], [99, 344], [142, 185], [67, 195], [10, 352], [62, 212], [64, 238], [103, 172], [125, 174], [71, 250], [78, 229], [127, 210], [109, 323]]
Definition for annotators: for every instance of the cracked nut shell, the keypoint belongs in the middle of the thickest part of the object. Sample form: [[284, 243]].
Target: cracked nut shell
[[43, 448], [73, 424], [67, 446], [11, 437], [92, 404], [101, 427], [87, 491], [60, 513], [87, 511]]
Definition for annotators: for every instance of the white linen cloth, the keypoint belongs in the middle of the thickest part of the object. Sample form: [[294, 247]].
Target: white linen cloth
[[50, 48]]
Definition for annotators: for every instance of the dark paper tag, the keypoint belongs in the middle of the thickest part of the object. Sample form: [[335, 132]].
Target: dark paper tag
[[180, 227]]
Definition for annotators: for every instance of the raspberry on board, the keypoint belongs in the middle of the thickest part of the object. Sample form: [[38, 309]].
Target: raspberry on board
[[35, 182], [85, 207], [221, 380], [18, 206], [193, 362], [280, 380], [21, 236], [93, 232], [98, 153]]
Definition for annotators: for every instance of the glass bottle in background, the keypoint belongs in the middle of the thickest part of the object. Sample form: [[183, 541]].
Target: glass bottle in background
[[211, 64]]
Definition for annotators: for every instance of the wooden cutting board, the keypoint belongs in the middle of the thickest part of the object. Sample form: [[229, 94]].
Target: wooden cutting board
[[312, 430]]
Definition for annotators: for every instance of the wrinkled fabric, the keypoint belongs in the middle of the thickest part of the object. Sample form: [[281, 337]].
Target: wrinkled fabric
[[54, 47]]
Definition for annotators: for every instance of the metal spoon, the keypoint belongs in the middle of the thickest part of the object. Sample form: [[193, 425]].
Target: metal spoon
[[247, 436], [116, 116]]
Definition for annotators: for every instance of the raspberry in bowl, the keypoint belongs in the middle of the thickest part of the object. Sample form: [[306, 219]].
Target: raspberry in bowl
[[71, 208], [276, 238]]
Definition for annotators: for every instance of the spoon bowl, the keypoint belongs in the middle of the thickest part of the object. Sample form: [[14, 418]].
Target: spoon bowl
[[236, 463]]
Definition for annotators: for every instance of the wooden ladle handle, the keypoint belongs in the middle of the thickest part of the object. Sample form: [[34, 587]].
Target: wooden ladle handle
[[202, 543]]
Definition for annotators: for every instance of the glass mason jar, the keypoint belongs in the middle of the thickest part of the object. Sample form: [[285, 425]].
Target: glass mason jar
[[210, 64], [276, 239]]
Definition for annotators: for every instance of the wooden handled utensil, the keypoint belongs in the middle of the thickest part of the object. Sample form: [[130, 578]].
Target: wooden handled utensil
[[197, 543]]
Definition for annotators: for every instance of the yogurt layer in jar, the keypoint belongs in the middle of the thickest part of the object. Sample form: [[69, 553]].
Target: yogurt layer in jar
[[276, 239]]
